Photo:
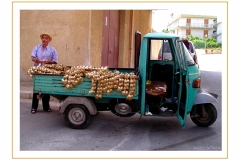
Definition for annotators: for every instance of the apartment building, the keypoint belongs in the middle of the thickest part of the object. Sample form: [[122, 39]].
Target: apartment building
[[217, 28], [190, 24]]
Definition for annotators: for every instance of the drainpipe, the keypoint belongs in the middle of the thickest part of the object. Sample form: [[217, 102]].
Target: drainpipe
[[131, 37]]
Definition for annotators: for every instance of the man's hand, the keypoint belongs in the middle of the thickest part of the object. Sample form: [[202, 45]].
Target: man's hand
[[48, 62], [45, 61]]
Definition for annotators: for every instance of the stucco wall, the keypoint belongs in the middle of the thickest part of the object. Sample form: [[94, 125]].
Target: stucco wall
[[142, 21], [124, 45], [77, 35], [70, 32], [96, 38]]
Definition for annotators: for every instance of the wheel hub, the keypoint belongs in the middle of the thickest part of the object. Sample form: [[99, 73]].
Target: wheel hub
[[77, 116], [123, 108]]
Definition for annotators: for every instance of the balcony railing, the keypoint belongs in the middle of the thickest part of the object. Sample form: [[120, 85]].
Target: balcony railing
[[216, 33], [215, 24], [191, 26], [185, 36], [214, 21]]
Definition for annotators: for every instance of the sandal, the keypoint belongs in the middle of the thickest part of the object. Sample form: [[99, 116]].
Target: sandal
[[49, 110], [33, 111]]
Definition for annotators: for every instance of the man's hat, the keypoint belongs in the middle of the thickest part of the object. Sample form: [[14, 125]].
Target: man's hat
[[50, 37]]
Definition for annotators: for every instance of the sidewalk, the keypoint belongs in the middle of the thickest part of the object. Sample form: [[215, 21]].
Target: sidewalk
[[26, 92], [200, 51]]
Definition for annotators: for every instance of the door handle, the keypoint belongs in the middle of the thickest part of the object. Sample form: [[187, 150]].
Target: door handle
[[188, 82]]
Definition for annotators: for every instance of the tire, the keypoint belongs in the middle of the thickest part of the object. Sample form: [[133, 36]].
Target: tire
[[123, 108], [209, 118], [77, 116]]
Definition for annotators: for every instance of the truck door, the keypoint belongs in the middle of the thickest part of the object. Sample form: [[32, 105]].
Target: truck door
[[183, 83], [137, 50]]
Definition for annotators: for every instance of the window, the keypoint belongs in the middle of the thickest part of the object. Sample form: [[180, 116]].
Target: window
[[184, 55], [160, 50]]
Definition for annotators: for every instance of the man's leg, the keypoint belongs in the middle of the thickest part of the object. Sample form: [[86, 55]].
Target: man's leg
[[45, 102], [34, 102]]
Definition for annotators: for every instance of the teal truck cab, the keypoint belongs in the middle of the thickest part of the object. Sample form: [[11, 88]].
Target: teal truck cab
[[167, 85]]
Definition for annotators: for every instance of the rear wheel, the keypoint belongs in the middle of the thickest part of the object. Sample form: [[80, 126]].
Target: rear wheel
[[123, 108], [204, 120], [77, 116]]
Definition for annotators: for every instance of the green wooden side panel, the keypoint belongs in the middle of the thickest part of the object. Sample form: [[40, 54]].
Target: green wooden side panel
[[52, 84]]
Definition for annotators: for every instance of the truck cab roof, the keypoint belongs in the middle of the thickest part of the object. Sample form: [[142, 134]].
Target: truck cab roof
[[161, 34]]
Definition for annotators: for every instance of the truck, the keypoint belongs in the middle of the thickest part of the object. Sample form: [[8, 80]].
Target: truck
[[166, 83]]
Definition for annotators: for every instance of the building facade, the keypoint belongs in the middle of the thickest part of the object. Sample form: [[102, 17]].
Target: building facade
[[83, 37], [189, 24], [217, 28]]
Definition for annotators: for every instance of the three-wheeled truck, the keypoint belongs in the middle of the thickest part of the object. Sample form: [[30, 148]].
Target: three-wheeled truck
[[167, 84]]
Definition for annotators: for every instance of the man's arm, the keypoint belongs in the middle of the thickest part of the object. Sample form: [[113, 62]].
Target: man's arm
[[54, 59], [36, 60]]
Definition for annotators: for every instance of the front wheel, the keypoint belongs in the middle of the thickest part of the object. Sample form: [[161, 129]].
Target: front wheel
[[77, 116], [205, 116]]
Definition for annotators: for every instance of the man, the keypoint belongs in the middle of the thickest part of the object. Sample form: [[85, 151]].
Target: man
[[191, 49], [185, 41], [43, 54]]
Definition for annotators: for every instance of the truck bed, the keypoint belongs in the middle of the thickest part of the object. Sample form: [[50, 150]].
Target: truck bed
[[52, 84]]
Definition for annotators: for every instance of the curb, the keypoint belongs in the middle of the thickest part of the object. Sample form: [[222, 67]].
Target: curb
[[25, 95]]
